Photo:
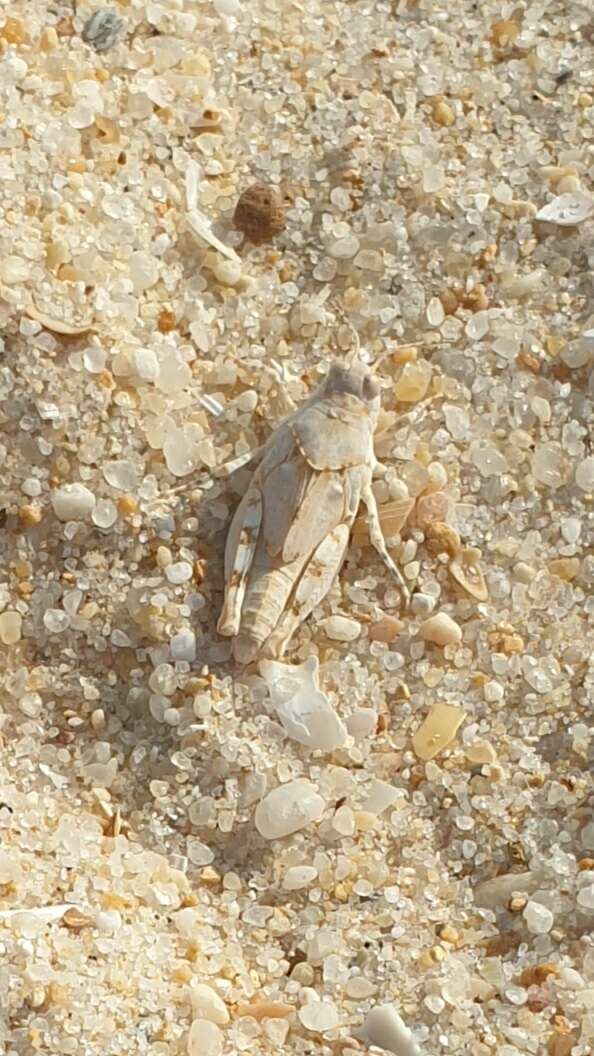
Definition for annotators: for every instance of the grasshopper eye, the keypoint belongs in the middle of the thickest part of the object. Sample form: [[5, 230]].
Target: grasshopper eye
[[371, 388]]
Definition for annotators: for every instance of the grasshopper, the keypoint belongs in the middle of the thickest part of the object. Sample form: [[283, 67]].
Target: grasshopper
[[290, 532]]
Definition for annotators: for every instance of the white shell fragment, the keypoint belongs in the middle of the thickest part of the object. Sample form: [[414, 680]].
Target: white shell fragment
[[58, 326], [386, 1029], [200, 226], [304, 711], [567, 209], [288, 808]]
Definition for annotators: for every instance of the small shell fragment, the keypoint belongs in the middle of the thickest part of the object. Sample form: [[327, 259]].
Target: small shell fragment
[[264, 1010], [442, 539], [393, 516], [437, 731], [466, 570], [567, 209], [200, 226], [57, 326], [385, 1028]]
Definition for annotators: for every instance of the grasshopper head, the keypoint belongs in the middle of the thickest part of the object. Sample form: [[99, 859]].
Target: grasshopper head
[[355, 380]]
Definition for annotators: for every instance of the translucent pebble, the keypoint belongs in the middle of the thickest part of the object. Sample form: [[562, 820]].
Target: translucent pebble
[[298, 876], [539, 919], [437, 731], [14, 270], [413, 382], [94, 359], [56, 620], [477, 326], [319, 1016], [344, 248], [144, 270], [585, 897], [385, 1028], [72, 502], [183, 646], [434, 1003], [199, 853], [206, 1004], [358, 988], [179, 572], [205, 1039], [584, 474], [567, 209], [10, 627], [325, 270], [227, 7], [571, 529], [146, 364], [341, 628], [288, 808], [487, 459], [435, 312], [577, 353], [548, 464], [433, 179], [105, 513], [121, 474], [180, 450]]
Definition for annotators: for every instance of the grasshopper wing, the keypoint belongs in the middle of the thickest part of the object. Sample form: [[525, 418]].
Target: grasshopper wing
[[323, 508]]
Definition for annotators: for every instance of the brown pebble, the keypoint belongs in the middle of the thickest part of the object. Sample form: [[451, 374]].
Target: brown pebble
[[504, 32], [537, 974], [127, 505], [13, 31], [166, 321], [442, 113], [75, 920], [565, 568], [450, 301], [585, 864], [30, 515], [561, 1044], [517, 904], [476, 299], [442, 539], [260, 213], [449, 934], [528, 361]]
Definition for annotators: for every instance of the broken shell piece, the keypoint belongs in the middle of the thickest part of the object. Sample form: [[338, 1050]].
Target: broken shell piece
[[57, 326], [304, 711], [201, 228], [567, 209], [393, 516], [265, 1010], [437, 731], [385, 1028], [466, 570]]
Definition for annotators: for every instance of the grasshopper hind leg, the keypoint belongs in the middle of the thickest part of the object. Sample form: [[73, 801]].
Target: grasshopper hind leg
[[315, 582], [239, 554]]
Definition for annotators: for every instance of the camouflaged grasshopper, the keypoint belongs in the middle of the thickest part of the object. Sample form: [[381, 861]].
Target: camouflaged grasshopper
[[289, 535]]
